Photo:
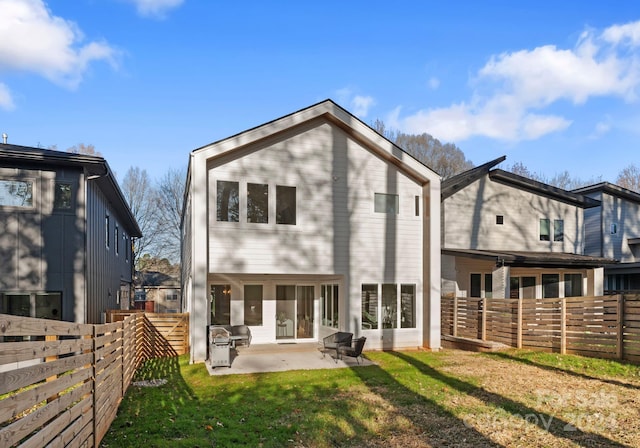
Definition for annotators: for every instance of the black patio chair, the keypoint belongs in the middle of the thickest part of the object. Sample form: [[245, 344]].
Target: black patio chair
[[354, 350], [335, 341]]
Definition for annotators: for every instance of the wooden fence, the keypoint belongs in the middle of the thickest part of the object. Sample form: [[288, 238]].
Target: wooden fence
[[604, 327], [61, 383]]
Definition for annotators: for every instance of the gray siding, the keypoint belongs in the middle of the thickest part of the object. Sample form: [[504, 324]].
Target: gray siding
[[470, 220], [106, 270], [42, 249], [593, 228]]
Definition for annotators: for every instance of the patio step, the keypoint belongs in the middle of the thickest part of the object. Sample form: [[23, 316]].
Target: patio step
[[474, 345]]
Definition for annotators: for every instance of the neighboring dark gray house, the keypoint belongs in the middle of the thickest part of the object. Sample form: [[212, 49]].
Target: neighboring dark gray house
[[65, 236], [613, 231]]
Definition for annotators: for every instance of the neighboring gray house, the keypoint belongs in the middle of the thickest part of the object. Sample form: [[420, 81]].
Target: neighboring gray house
[[506, 236], [65, 236], [310, 224], [157, 292], [613, 231]]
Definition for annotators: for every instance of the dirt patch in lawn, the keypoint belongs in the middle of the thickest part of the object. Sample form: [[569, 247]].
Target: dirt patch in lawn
[[516, 403]]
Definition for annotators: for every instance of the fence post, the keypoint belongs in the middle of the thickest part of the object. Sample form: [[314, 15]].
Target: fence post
[[620, 329], [483, 330], [455, 316], [519, 324], [563, 326], [95, 388]]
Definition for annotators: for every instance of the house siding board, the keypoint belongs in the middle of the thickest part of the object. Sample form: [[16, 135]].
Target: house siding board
[[305, 160], [625, 214], [470, 219], [105, 269], [40, 247]]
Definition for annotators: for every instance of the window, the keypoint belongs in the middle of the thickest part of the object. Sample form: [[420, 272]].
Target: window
[[550, 285], [62, 196], [558, 230], [253, 304], [228, 201], [220, 304], [285, 205], [408, 306], [572, 285], [116, 239], [45, 305], [417, 205], [386, 203], [107, 230], [258, 203], [499, 220], [613, 229], [477, 289], [127, 247], [389, 306], [528, 290], [329, 294], [369, 307], [16, 193], [171, 295], [545, 232]]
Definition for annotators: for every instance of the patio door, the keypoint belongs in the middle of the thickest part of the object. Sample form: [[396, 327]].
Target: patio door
[[294, 312]]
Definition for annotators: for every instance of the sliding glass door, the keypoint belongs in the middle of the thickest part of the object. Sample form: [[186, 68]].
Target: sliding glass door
[[294, 312]]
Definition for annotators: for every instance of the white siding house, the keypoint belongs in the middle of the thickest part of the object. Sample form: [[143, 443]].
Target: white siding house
[[311, 224], [504, 235]]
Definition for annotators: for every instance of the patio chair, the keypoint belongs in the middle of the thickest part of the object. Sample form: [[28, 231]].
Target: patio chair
[[243, 333], [335, 341], [354, 350]]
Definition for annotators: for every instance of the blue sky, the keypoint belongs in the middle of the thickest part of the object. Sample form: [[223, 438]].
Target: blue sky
[[554, 85]]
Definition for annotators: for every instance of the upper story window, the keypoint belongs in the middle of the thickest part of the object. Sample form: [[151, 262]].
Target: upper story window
[[285, 205], [16, 193], [613, 229], [62, 196], [499, 220], [116, 239], [545, 230], [258, 203], [227, 199], [387, 203], [107, 231]]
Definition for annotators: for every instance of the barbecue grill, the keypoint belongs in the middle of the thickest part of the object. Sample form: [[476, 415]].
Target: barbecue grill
[[219, 347]]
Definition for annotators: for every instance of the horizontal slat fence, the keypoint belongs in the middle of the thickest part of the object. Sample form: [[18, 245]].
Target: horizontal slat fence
[[604, 327], [61, 383]]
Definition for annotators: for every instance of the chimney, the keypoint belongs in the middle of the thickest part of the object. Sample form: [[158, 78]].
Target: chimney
[[4, 138]]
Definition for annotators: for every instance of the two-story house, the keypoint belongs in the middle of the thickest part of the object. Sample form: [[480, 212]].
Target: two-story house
[[310, 224], [65, 236], [507, 236], [613, 231]]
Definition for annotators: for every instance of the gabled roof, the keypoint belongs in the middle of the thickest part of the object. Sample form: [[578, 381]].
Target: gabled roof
[[532, 259], [331, 111], [97, 167], [459, 181], [612, 189], [543, 189]]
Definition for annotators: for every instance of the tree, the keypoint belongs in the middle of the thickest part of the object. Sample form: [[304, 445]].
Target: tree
[[445, 159], [629, 178], [142, 198], [170, 196], [562, 180], [81, 148]]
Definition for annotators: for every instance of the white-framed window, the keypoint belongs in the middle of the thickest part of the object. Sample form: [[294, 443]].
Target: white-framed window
[[329, 303], [285, 205], [388, 305], [258, 203], [227, 201], [220, 296], [386, 203], [546, 230], [481, 285], [16, 193]]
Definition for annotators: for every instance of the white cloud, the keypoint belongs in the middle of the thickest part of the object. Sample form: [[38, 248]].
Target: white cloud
[[360, 105], [433, 83], [34, 40], [601, 128], [155, 8], [513, 90], [6, 101]]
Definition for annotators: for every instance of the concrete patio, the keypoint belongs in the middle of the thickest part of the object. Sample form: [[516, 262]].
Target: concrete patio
[[259, 358]]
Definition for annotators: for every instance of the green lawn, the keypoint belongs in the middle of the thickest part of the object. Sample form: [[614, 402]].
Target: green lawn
[[409, 399]]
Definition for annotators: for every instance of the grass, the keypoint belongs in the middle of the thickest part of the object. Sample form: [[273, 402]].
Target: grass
[[407, 399]]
